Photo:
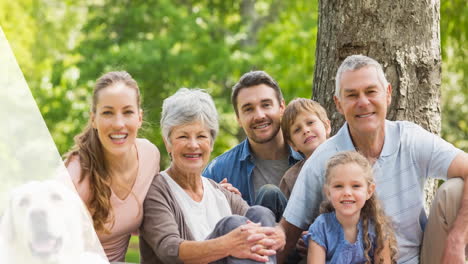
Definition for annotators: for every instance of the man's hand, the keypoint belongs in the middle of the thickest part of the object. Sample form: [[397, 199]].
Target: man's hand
[[457, 238], [226, 185], [301, 246], [454, 252], [293, 233]]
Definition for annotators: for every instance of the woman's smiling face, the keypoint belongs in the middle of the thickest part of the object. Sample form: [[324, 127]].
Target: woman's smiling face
[[117, 118]]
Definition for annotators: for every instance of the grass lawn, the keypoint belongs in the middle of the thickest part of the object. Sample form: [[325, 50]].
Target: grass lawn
[[133, 252]]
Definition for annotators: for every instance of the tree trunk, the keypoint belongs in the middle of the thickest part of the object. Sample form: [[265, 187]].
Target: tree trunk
[[404, 37]]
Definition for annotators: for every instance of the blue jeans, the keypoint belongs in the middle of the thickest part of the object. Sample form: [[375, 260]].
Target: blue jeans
[[256, 214], [271, 197]]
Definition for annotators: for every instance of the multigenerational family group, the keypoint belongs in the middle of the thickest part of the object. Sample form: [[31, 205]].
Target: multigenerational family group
[[287, 193]]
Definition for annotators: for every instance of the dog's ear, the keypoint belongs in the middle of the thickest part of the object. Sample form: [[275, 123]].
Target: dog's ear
[[7, 225]]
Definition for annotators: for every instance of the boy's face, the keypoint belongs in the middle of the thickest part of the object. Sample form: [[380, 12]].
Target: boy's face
[[308, 132]]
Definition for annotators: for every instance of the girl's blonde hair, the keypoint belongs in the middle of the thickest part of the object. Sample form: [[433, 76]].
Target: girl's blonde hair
[[88, 148], [372, 211]]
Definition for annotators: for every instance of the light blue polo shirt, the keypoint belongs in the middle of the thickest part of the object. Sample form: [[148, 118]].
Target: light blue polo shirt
[[410, 155]]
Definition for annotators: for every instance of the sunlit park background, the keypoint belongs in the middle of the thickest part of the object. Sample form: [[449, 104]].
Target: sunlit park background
[[62, 46]]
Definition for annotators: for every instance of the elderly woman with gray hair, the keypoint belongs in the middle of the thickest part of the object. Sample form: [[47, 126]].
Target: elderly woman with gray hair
[[189, 218]]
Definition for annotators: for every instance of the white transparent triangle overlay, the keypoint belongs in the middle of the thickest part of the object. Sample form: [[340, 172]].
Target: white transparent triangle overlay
[[43, 220]]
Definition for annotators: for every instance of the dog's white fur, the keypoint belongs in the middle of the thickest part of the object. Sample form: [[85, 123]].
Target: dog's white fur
[[46, 223]]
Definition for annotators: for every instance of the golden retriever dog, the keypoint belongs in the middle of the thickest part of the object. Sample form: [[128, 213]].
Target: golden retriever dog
[[46, 223]]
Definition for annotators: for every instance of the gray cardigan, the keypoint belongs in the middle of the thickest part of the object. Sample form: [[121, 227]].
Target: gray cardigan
[[164, 226]]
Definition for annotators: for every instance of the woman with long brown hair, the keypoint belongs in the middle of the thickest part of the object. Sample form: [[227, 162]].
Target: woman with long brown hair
[[110, 167]]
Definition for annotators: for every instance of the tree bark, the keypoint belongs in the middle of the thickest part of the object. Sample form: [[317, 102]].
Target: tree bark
[[404, 37]]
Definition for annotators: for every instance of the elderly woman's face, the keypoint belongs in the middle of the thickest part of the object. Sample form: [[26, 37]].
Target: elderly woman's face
[[190, 147]]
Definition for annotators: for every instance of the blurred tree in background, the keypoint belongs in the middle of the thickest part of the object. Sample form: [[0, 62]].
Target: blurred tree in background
[[63, 47], [454, 36]]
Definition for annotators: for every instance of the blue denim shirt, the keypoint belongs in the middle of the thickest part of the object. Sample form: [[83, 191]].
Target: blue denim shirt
[[237, 166]]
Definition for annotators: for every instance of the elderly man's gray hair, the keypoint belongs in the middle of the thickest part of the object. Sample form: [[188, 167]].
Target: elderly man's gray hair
[[356, 62], [187, 106]]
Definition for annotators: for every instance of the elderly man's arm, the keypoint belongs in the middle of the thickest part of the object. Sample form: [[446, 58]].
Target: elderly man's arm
[[292, 235], [457, 238]]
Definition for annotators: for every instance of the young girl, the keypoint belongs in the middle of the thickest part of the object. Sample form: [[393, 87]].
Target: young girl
[[111, 168], [352, 227]]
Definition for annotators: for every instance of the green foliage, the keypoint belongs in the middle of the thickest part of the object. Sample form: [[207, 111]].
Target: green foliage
[[63, 46], [286, 49], [165, 45], [454, 36], [42, 34], [19, 25]]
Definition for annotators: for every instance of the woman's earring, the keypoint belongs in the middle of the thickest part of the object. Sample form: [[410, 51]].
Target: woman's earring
[[170, 156]]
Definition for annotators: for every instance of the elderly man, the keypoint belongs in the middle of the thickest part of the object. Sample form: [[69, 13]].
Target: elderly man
[[403, 155]]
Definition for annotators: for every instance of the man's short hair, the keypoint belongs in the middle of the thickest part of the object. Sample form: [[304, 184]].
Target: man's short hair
[[254, 78], [298, 106], [356, 62]]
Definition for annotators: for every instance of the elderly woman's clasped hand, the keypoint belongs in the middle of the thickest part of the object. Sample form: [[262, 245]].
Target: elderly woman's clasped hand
[[252, 241]]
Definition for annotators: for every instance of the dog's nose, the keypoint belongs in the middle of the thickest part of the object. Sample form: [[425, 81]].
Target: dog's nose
[[39, 225], [38, 216], [38, 220]]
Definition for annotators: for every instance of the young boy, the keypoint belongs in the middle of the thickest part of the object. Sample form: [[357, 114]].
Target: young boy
[[305, 126]]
